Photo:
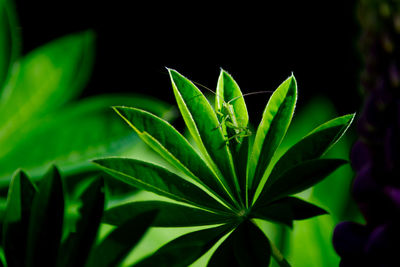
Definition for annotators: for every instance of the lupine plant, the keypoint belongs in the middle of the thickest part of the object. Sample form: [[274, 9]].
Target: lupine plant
[[36, 231], [228, 177]]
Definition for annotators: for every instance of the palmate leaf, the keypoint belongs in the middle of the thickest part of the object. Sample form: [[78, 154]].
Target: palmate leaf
[[185, 249], [273, 126], [295, 173], [172, 146], [9, 40], [158, 180], [169, 214], [203, 125], [246, 246], [286, 210], [46, 221], [89, 130], [16, 219], [113, 249]]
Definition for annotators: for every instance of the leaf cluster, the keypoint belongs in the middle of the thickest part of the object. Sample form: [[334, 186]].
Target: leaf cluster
[[34, 231], [229, 179]]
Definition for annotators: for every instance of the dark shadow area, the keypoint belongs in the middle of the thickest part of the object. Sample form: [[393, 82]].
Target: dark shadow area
[[259, 45]]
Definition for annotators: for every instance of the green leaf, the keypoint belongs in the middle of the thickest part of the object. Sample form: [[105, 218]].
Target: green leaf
[[185, 249], [246, 246], [114, 248], [46, 78], [273, 126], [228, 92], [299, 178], [286, 210], [9, 40], [46, 221], [312, 146], [75, 250], [158, 180], [16, 219], [173, 147], [89, 130], [203, 125], [169, 215], [241, 159]]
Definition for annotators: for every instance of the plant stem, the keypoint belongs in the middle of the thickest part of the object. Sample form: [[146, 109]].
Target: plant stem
[[277, 255]]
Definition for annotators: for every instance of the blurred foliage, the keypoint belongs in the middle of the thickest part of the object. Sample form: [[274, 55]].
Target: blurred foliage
[[375, 155], [41, 119], [42, 227]]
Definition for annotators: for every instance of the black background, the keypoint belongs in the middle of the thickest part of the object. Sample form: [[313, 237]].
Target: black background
[[259, 44]]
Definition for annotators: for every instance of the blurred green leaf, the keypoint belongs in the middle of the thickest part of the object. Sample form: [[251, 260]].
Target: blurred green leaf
[[73, 135], [158, 180], [271, 130], [172, 146], [46, 78], [246, 246], [75, 250], [203, 125], [185, 249], [119, 242], [241, 159], [16, 219], [310, 243], [169, 215], [9, 40], [46, 221]]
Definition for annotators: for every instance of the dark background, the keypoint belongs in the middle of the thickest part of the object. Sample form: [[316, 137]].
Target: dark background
[[260, 45]]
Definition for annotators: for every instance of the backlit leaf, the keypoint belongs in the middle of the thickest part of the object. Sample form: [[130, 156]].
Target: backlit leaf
[[171, 145], [313, 145], [228, 93], [169, 215], [203, 125], [299, 178], [286, 210], [273, 126], [158, 180], [185, 249]]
